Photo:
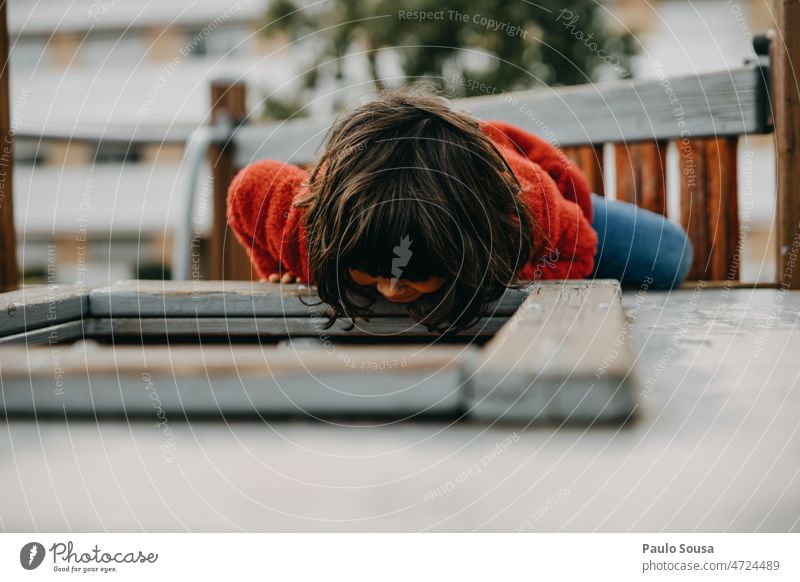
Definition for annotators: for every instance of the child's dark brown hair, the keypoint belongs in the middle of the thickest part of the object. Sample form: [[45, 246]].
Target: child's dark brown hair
[[406, 166]]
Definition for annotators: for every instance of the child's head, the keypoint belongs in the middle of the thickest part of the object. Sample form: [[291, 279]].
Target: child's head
[[411, 201]]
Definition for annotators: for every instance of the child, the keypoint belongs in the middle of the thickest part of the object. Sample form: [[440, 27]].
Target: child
[[429, 207]]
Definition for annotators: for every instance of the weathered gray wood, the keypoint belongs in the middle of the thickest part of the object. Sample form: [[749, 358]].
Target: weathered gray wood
[[713, 104], [530, 372], [60, 333], [719, 404], [238, 299], [563, 356], [34, 307], [85, 378], [201, 299]]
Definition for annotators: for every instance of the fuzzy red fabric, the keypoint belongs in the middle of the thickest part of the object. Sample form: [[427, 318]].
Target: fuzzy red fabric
[[264, 219]]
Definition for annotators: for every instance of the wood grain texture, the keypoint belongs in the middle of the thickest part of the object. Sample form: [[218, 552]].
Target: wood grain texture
[[693, 203], [785, 87], [722, 211], [31, 308], [564, 356], [9, 274], [243, 381], [709, 206], [641, 170]]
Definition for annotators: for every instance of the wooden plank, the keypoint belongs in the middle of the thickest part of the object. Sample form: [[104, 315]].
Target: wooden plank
[[718, 103], [379, 329], [9, 274], [59, 333], [722, 210], [35, 307], [641, 170], [785, 87], [200, 299], [709, 206], [692, 160], [137, 381], [563, 357], [239, 299], [228, 260], [589, 159]]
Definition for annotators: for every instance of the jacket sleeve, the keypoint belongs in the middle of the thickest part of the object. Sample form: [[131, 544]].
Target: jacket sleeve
[[569, 179], [260, 204], [570, 240]]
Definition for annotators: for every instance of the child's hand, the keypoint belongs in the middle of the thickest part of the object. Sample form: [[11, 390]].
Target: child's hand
[[286, 278]]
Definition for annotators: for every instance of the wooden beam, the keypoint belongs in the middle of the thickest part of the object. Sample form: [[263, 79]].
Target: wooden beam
[[9, 274], [563, 356], [228, 260], [248, 380], [719, 103], [785, 85]]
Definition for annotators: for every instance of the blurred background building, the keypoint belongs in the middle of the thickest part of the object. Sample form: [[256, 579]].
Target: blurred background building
[[98, 214]]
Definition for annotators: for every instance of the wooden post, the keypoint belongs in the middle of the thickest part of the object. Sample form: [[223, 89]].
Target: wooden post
[[785, 81], [228, 260], [9, 274]]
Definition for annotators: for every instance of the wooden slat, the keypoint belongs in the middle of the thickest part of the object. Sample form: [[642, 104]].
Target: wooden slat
[[58, 333], [228, 260], [718, 103], [378, 329], [785, 85], [36, 307], [722, 212], [403, 380], [641, 174], [691, 154], [589, 159], [240, 299], [563, 356], [8, 244], [709, 206]]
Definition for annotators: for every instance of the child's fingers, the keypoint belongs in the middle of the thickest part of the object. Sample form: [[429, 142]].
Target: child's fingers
[[274, 278], [288, 278]]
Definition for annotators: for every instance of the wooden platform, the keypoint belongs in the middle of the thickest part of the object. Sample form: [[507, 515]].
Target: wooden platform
[[715, 448], [253, 349]]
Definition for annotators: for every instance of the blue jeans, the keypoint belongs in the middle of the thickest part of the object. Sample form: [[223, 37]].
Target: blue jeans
[[638, 247]]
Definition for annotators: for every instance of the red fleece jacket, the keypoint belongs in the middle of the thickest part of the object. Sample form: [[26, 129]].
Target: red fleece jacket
[[272, 229]]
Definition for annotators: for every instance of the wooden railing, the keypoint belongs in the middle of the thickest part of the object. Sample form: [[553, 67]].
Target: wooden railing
[[703, 115]]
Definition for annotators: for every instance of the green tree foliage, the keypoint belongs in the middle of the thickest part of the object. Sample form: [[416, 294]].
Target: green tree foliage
[[496, 45]]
